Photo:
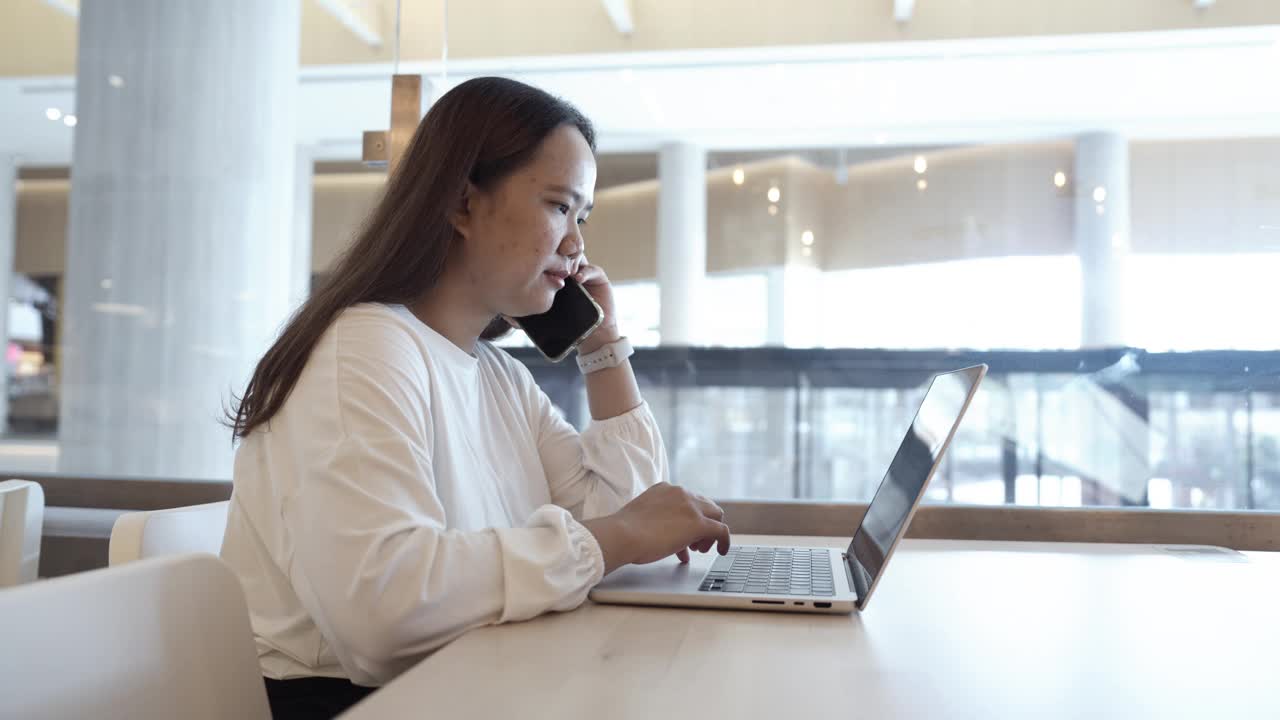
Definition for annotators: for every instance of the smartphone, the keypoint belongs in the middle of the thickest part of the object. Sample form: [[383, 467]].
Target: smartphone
[[573, 316]]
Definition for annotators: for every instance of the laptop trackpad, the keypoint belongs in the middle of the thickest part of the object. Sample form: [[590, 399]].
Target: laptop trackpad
[[665, 576]]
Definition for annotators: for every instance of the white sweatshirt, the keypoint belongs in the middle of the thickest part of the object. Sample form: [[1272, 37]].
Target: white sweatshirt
[[408, 491]]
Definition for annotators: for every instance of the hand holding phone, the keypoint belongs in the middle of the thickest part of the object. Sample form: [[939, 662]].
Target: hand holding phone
[[573, 316]]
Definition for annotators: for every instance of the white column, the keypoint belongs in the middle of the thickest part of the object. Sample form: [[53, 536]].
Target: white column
[[682, 241], [796, 313], [8, 236], [303, 193], [1102, 234], [776, 323], [180, 241]]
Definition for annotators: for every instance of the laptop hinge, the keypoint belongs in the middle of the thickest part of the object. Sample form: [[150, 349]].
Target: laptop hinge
[[848, 573], [859, 580]]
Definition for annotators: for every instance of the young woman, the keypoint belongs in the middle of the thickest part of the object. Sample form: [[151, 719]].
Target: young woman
[[399, 480]]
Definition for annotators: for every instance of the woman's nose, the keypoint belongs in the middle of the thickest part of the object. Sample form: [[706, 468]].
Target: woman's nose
[[572, 244]]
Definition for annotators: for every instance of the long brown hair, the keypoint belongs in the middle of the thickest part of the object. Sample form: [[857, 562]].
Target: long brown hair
[[481, 131]]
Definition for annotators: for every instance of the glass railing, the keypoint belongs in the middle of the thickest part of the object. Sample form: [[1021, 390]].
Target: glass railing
[[1115, 427]]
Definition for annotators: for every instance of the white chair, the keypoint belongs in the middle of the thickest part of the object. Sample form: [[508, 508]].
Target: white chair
[[161, 638], [194, 528], [21, 523]]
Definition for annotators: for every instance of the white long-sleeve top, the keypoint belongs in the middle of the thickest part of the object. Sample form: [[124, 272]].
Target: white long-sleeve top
[[408, 491]]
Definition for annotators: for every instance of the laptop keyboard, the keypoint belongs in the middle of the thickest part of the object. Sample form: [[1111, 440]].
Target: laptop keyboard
[[771, 570]]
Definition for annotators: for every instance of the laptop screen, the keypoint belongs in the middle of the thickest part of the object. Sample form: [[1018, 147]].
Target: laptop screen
[[915, 462]]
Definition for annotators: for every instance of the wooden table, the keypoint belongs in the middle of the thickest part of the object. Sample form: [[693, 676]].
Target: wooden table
[[955, 630]]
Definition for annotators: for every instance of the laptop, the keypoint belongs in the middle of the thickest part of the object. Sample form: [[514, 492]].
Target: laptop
[[814, 579]]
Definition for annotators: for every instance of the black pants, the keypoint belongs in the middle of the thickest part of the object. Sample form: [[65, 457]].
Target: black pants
[[312, 698]]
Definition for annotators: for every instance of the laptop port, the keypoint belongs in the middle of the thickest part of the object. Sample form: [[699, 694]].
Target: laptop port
[[770, 602], [822, 605]]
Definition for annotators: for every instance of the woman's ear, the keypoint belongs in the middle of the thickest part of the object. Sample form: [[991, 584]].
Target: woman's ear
[[462, 213]]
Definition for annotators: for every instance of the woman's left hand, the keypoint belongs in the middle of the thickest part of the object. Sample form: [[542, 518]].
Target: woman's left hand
[[596, 283]]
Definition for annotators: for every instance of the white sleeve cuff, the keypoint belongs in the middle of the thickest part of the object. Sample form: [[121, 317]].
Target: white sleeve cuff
[[550, 564]]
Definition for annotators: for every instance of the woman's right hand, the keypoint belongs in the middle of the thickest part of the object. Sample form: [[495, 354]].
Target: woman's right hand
[[663, 520]]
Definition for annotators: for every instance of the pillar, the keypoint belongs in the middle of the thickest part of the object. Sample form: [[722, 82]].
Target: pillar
[[181, 219], [682, 241], [1102, 235]]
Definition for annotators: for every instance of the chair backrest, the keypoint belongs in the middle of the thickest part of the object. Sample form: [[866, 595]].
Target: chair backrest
[[195, 528], [21, 523], [160, 638]]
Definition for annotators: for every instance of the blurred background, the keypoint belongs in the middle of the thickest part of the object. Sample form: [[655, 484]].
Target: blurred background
[[807, 208]]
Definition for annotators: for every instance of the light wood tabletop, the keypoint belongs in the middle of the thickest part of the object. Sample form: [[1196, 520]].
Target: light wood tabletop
[[957, 629]]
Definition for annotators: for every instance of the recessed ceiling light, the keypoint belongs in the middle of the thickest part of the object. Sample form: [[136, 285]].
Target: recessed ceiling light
[[69, 120], [921, 164], [922, 184], [774, 194], [115, 81], [1059, 179], [53, 113], [739, 176], [806, 237], [1099, 194]]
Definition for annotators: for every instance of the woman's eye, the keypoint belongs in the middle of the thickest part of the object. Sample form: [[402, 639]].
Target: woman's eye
[[564, 209], [582, 221]]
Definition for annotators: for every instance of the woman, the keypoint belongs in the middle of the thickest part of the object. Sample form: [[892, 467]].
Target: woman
[[400, 480]]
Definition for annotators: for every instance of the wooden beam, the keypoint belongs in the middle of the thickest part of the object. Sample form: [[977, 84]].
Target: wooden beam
[[373, 149], [406, 111], [384, 148], [1239, 530], [127, 493], [358, 16]]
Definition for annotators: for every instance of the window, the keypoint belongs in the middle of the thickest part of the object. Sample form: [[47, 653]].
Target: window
[[864, 210]]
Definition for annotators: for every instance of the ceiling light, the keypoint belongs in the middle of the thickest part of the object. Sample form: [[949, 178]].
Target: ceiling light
[[922, 184], [739, 176], [106, 283], [1059, 179], [115, 81], [921, 164], [773, 209], [53, 113], [69, 120], [806, 237], [1099, 194], [774, 194]]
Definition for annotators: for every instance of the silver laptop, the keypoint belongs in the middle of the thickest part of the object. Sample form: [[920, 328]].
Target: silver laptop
[[814, 579]]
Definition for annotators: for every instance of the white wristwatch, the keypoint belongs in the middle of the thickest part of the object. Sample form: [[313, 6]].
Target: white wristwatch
[[611, 355]]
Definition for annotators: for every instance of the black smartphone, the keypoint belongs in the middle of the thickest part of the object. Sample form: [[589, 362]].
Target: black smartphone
[[573, 316]]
